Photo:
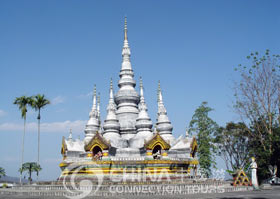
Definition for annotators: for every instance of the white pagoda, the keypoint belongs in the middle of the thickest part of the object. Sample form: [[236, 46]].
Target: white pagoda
[[127, 138]]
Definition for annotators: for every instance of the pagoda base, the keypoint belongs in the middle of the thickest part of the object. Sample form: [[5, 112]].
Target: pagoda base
[[129, 171]]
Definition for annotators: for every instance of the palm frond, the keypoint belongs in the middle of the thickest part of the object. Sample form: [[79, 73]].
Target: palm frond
[[39, 101], [22, 103]]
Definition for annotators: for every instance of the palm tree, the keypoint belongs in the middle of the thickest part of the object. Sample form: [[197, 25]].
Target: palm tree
[[39, 102], [2, 172], [30, 167], [22, 103]]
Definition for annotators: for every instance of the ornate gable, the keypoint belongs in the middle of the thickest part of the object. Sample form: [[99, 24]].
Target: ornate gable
[[64, 146], [97, 140], [157, 140], [193, 147]]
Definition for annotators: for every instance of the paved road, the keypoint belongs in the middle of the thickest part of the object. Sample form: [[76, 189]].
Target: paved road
[[262, 194]]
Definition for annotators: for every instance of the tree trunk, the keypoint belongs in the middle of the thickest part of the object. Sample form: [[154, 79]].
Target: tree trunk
[[22, 151], [30, 179], [38, 158]]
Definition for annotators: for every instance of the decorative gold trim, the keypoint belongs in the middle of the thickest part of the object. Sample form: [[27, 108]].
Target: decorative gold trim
[[164, 154], [97, 140], [62, 164], [145, 162], [193, 147], [157, 140], [63, 146]]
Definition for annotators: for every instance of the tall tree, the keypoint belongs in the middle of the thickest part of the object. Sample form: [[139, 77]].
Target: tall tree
[[30, 167], [2, 172], [257, 94], [257, 101], [22, 103], [232, 145], [39, 102], [204, 128]]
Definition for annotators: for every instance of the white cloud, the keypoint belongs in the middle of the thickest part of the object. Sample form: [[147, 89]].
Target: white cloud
[[57, 100], [52, 127], [2, 113], [82, 96]]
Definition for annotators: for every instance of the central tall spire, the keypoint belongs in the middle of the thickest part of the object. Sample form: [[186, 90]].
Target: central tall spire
[[127, 98], [126, 65], [125, 29]]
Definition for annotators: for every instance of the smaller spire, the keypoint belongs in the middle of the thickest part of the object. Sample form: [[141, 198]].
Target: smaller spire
[[98, 113], [187, 132], [94, 111], [111, 89], [111, 123], [159, 93], [111, 106], [160, 100], [141, 90], [142, 104], [163, 124], [98, 105], [70, 135], [143, 122], [94, 96], [93, 123]]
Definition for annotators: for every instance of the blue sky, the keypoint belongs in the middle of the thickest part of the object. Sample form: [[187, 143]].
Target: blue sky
[[62, 48]]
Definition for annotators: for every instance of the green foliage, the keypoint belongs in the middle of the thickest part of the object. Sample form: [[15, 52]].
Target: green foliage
[[266, 157], [257, 102], [22, 103], [2, 172], [204, 128], [257, 60], [230, 172], [232, 145], [38, 102], [30, 167]]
